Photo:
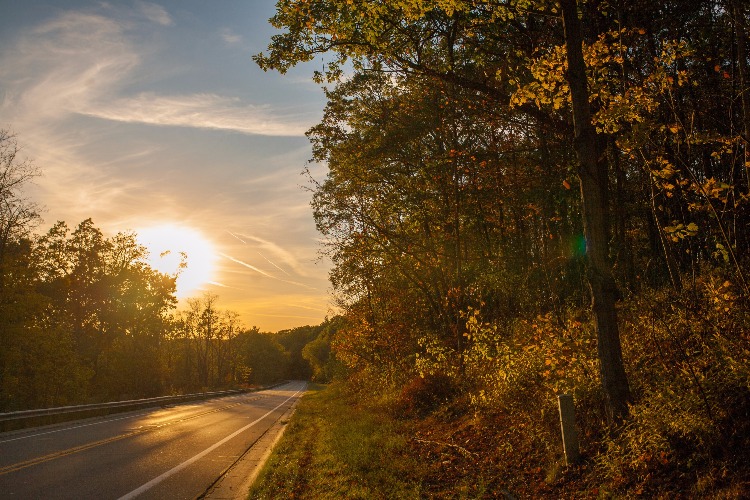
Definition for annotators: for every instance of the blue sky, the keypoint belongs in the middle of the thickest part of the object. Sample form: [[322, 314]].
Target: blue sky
[[151, 113]]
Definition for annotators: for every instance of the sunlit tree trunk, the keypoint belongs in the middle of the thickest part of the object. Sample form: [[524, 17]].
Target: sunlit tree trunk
[[593, 180]]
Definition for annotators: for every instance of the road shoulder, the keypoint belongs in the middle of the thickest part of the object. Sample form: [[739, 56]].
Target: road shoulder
[[236, 482]]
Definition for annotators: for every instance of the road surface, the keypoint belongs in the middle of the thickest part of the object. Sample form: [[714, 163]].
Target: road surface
[[165, 453]]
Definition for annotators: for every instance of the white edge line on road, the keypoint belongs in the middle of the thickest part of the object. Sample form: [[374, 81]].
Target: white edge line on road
[[147, 486], [266, 455]]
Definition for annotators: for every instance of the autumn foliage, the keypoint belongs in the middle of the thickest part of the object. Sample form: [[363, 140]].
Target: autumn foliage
[[453, 215]]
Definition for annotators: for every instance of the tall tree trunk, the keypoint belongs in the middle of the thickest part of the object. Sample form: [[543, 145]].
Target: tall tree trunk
[[593, 178]]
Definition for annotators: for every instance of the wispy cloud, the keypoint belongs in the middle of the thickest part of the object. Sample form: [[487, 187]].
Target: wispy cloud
[[286, 315], [208, 111], [230, 37], [155, 13], [273, 264], [82, 63], [267, 275], [237, 237], [64, 65], [282, 306], [281, 253], [249, 266]]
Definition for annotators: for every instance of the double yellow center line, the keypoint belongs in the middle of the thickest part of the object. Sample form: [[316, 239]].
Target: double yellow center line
[[77, 449]]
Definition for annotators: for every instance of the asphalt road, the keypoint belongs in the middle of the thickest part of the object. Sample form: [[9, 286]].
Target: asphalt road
[[165, 453]]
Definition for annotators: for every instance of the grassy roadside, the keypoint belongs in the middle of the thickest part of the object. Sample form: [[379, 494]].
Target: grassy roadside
[[343, 444], [334, 448]]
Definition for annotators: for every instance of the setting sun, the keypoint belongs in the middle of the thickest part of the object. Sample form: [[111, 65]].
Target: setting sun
[[166, 244]]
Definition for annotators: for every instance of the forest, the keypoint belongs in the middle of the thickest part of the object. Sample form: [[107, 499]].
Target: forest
[[527, 198], [83, 318]]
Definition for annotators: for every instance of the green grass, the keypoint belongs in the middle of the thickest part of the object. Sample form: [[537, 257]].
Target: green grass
[[335, 448]]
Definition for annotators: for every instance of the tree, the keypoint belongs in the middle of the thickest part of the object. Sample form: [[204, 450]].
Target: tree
[[594, 181], [443, 40], [18, 300], [206, 336], [410, 214], [637, 90], [323, 362], [263, 357], [101, 293], [293, 341], [18, 215]]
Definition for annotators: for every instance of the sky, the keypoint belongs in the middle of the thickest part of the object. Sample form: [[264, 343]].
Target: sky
[[152, 117]]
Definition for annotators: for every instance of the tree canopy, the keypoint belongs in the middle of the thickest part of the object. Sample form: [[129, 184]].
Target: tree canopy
[[454, 135]]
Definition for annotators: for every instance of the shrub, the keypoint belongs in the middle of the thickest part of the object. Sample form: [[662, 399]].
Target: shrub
[[425, 393]]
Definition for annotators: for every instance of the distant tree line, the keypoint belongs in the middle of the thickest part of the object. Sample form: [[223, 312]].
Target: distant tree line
[[84, 318]]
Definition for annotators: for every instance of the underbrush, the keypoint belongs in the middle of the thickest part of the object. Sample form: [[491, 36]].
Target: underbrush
[[687, 434], [689, 426], [688, 431], [494, 432]]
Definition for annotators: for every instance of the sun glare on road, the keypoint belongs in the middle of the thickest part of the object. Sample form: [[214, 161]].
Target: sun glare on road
[[167, 242]]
